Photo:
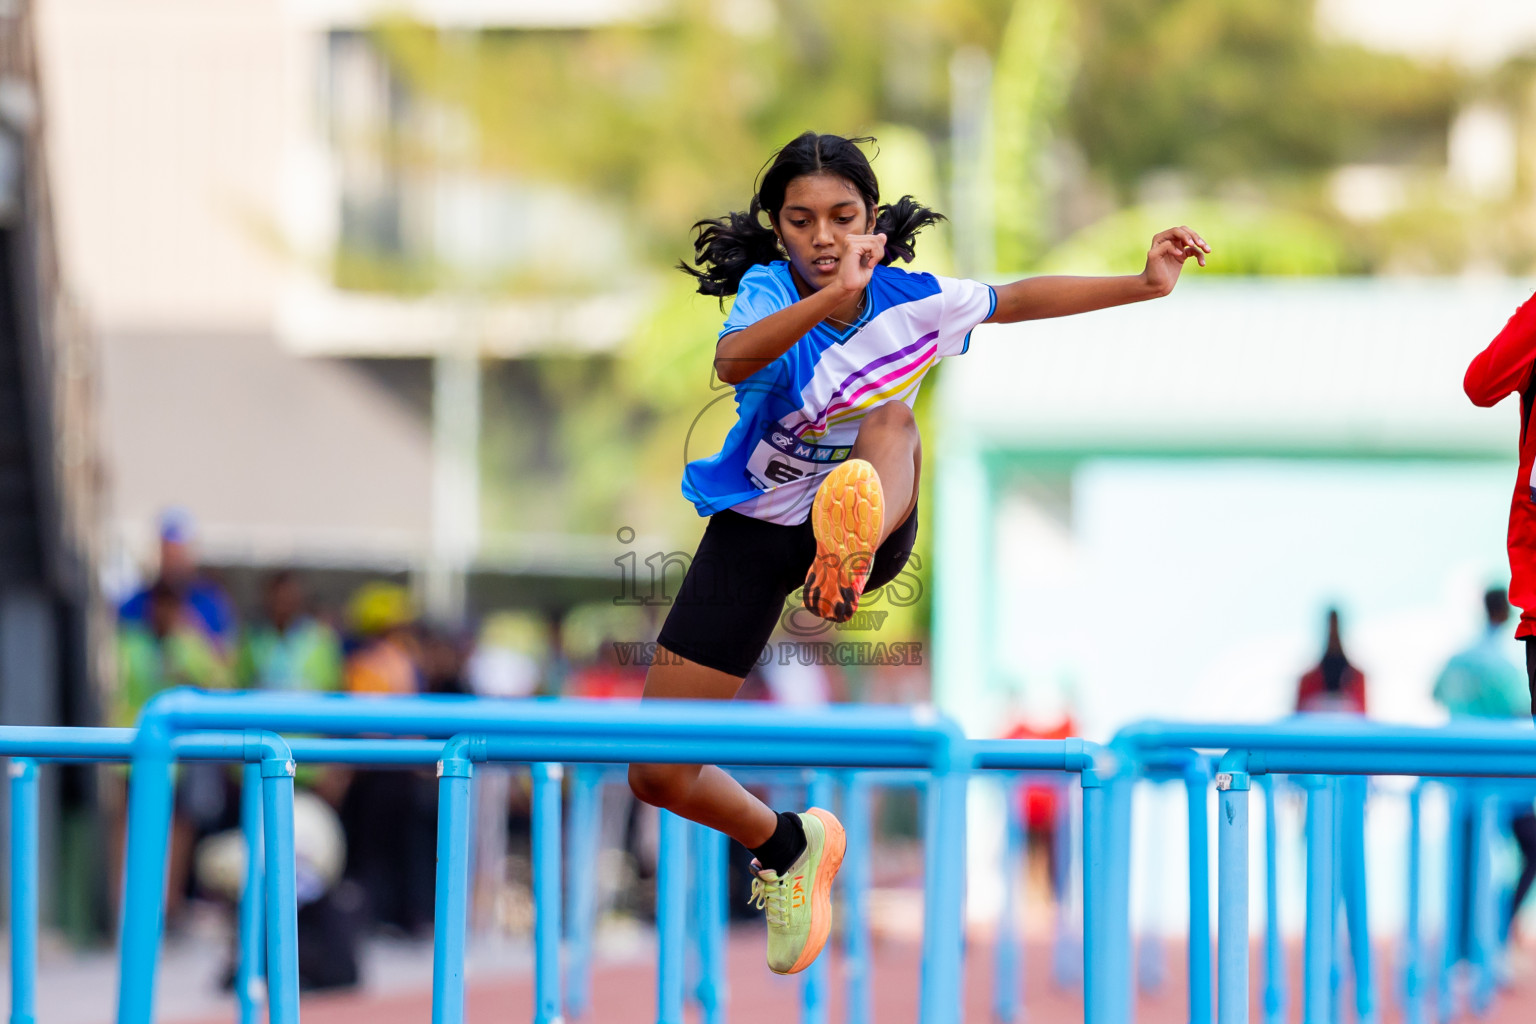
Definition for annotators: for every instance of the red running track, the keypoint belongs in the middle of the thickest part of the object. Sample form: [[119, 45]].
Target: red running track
[[626, 993]]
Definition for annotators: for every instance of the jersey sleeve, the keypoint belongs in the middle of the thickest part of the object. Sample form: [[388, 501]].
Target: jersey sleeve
[[760, 294], [966, 304], [1505, 365]]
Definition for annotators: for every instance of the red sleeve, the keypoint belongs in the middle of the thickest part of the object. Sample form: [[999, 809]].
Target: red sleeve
[[1310, 686], [1505, 365]]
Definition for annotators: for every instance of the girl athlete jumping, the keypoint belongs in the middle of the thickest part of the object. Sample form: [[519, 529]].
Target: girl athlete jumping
[[816, 484]]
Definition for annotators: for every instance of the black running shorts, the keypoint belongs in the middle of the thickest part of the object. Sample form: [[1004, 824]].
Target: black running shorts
[[734, 591]]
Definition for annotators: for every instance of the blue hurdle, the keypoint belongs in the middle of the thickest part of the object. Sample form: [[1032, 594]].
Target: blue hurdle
[[565, 731], [1332, 748], [863, 747]]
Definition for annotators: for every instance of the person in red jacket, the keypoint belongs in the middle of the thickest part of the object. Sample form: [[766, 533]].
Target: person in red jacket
[[1498, 371], [1334, 684]]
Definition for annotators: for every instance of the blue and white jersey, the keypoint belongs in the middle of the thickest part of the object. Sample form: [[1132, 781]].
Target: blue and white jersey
[[798, 416]]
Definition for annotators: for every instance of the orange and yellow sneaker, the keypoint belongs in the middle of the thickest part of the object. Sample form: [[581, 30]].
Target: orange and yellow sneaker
[[799, 901], [846, 517]]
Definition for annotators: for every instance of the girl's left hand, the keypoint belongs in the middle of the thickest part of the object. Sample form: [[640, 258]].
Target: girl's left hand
[[1166, 258]]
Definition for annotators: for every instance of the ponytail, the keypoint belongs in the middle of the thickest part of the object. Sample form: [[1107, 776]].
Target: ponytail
[[726, 248], [901, 221]]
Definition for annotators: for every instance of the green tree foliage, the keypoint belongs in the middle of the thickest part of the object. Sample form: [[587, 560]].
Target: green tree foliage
[[675, 117], [1035, 65], [1256, 241], [1244, 89]]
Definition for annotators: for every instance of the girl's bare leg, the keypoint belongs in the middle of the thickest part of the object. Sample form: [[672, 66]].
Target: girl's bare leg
[[889, 441], [701, 793]]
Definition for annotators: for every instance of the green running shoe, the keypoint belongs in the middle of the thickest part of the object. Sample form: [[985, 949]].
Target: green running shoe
[[799, 902]]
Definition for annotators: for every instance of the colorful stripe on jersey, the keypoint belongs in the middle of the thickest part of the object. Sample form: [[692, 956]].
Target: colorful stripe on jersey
[[848, 406], [820, 389]]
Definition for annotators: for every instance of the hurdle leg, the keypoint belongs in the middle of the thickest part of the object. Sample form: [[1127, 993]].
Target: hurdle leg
[[693, 959], [1118, 898], [1352, 876], [1413, 994], [1006, 974], [282, 900], [546, 882], [1485, 903], [1195, 783], [451, 913], [144, 875], [1455, 909], [1274, 949], [710, 879], [943, 898], [1066, 956], [1106, 932], [249, 975], [24, 890], [813, 981], [1336, 973], [1318, 956], [1232, 896], [856, 823], [583, 847], [671, 917]]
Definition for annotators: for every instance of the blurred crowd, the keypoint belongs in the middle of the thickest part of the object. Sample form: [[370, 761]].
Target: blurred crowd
[[365, 839]]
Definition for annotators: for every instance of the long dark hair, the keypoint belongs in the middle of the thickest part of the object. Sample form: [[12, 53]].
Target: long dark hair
[[726, 248]]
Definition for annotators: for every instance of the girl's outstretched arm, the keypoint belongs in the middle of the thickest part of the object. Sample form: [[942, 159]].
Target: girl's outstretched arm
[[1037, 298]]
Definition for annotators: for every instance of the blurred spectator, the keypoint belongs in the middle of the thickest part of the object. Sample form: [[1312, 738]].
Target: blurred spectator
[[607, 653], [167, 648], [444, 661], [1334, 685], [606, 676], [557, 669], [179, 568], [390, 817], [328, 925], [289, 649], [385, 658], [605, 650], [1485, 681], [1040, 806], [511, 655]]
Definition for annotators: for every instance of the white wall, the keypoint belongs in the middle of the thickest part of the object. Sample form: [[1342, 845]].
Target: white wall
[[166, 122], [1196, 589]]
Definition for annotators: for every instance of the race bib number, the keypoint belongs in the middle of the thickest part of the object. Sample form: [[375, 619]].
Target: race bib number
[[780, 458]]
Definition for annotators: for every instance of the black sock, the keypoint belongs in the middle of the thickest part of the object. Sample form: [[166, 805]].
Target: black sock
[[785, 846]]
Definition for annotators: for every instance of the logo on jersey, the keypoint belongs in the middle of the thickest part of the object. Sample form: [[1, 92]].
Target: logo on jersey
[[781, 458]]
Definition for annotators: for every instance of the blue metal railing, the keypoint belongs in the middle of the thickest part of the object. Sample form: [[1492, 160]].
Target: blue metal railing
[[535, 732], [1332, 747], [867, 746]]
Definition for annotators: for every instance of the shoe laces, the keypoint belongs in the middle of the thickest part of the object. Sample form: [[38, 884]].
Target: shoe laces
[[771, 893]]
